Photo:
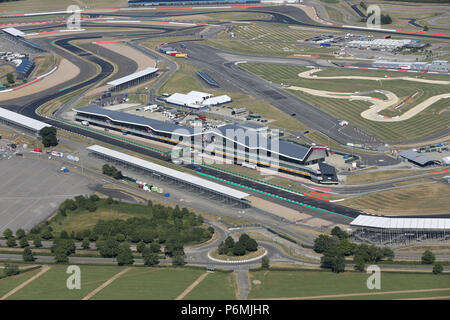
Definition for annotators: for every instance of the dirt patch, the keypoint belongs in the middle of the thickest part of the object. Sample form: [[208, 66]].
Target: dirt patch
[[143, 61], [279, 210], [65, 72]]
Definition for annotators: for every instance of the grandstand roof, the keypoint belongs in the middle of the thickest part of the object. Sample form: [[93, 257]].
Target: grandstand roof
[[14, 32], [124, 117], [415, 157], [25, 66], [23, 121], [401, 223], [175, 174], [133, 76], [254, 140]]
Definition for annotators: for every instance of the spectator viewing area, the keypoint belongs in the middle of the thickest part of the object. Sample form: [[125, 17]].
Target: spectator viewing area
[[133, 79], [17, 120], [400, 231], [16, 35], [199, 185]]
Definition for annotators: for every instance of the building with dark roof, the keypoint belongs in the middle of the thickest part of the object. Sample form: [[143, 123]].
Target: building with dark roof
[[416, 158], [24, 69], [238, 143]]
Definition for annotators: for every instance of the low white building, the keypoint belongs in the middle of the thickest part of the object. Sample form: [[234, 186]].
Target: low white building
[[197, 99]]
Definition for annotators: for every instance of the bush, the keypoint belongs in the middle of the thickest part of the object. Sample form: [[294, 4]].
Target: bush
[[428, 257], [265, 263], [437, 268], [178, 260], [11, 269]]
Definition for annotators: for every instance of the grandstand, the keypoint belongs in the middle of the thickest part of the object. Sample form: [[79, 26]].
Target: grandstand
[[187, 181], [24, 69], [207, 79], [393, 231], [17, 37], [22, 122]]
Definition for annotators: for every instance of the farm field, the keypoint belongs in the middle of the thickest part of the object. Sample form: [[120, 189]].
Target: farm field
[[216, 286], [52, 284], [433, 199], [150, 284], [425, 123], [290, 284]]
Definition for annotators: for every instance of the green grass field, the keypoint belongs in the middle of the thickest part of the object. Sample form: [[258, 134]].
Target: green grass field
[[216, 286], [185, 80], [433, 199], [284, 284], [9, 283], [426, 123], [150, 284], [52, 284], [267, 39]]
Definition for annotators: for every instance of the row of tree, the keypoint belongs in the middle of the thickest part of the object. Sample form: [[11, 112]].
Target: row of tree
[[337, 246]]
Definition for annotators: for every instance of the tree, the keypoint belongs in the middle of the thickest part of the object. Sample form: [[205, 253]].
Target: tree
[[11, 242], [124, 255], [23, 243], [428, 257], [7, 233], [11, 269], [339, 233], [251, 245], [20, 233], [425, 28], [37, 242], [86, 244], [239, 249], [229, 242], [10, 78], [388, 253], [64, 235], [150, 258], [28, 255], [140, 247], [360, 264], [338, 264], [265, 263], [109, 248], [323, 242], [61, 255], [47, 235], [437, 268], [222, 249], [178, 260], [48, 135], [155, 247]]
